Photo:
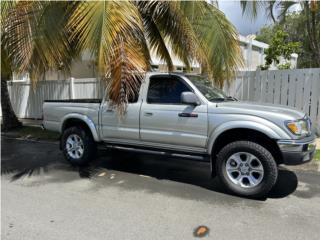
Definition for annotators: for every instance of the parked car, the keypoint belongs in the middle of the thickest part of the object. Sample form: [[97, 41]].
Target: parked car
[[184, 116]]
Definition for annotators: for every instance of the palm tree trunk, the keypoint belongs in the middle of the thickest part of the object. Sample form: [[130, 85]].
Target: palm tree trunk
[[9, 118], [311, 31], [315, 38]]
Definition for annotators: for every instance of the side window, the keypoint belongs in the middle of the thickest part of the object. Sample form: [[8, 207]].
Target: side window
[[133, 97], [166, 90]]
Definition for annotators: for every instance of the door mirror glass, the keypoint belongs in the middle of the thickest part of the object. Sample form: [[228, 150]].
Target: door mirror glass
[[189, 98]]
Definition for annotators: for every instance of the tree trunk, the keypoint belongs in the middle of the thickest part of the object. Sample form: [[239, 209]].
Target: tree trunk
[[315, 39], [312, 33], [9, 118]]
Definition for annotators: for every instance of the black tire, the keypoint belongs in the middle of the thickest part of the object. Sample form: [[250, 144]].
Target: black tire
[[89, 146], [262, 154]]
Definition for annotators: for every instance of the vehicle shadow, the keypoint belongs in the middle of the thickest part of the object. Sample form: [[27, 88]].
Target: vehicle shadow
[[158, 167], [180, 170]]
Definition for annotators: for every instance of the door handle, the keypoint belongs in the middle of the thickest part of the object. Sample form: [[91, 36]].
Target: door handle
[[194, 115], [148, 113], [109, 110]]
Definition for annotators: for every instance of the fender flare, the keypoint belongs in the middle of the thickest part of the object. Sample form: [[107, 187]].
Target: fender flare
[[273, 132], [88, 121]]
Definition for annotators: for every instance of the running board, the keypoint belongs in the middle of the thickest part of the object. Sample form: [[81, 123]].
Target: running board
[[160, 152]]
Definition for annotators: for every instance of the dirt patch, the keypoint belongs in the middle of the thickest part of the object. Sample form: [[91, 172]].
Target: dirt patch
[[32, 133], [317, 143]]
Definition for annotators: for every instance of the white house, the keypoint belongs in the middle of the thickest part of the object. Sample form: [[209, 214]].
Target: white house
[[253, 53], [252, 50]]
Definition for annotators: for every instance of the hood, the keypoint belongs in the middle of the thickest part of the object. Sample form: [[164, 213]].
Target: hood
[[264, 110]]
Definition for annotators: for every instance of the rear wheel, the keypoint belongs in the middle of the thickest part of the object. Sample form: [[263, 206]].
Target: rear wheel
[[78, 146], [247, 168]]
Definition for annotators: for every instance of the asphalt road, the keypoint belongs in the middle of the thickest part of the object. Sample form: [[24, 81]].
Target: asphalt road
[[125, 196]]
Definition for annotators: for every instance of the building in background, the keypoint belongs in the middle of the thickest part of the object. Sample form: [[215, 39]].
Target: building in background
[[252, 51], [253, 54]]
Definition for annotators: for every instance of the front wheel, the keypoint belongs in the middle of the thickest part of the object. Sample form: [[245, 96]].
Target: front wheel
[[247, 168], [78, 146]]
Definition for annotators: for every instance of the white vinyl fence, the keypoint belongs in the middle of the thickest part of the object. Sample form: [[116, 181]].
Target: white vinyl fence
[[27, 101], [299, 88]]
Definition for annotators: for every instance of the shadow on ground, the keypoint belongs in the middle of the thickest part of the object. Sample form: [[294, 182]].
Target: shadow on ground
[[30, 159]]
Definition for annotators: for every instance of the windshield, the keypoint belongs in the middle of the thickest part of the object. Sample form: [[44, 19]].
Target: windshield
[[210, 92]]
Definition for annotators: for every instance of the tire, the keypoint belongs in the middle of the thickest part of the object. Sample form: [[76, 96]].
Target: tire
[[246, 169], [82, 141]]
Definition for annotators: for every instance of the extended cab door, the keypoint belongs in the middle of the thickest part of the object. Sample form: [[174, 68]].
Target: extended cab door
[[165, 120], [121, 128]]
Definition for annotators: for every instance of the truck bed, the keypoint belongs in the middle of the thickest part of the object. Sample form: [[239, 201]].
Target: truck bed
[[55, 112], [88, 100]]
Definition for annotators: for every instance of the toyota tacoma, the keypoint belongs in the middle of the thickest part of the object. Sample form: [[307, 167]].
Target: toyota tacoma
[[185, 116]]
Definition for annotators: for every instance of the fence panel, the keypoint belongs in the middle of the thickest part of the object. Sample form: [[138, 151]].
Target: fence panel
[[270, 86], [284, 89], [315, 96], [277, 87], [87, 88], [299, 88], [292, 76]]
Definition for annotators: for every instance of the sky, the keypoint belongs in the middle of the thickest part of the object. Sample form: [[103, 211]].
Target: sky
[[244, 24]]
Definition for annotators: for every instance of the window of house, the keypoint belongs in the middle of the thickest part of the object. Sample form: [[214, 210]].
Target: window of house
[[166, 90]]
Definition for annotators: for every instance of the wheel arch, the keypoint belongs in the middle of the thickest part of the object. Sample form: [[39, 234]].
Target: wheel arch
[[249, 134], [80, 120]]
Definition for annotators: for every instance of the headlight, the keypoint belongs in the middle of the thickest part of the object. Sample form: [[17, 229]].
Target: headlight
[[298, 127]]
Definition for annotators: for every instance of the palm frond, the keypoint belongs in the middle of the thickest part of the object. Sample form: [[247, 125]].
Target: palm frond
[[283, 9], [220, 39], [176, 29], [6, 7], [113, 33], [127, 69], [43, 35], [35, 37], [251, 8], [270, 5], [156, 40]]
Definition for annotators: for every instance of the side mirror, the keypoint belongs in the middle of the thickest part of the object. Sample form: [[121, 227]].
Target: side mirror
[[189, 98]]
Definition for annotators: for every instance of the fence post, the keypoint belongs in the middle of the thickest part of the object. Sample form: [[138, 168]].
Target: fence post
[[72, 95]]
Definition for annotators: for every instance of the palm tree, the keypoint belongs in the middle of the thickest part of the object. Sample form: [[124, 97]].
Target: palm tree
[[119, 35], [252, 8], [309, 9]]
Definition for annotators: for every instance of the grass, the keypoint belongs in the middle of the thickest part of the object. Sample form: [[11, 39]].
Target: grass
[[317, 155], [38, 133]]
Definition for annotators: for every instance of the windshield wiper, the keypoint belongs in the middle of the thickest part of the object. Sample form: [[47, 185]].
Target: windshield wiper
[[218, 99], [222, 99], [232, 98]]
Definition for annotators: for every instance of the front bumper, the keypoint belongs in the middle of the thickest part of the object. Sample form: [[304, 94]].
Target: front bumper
[[295, 152]]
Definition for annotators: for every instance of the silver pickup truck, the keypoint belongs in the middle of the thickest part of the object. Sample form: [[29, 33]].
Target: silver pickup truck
[[184, 116]]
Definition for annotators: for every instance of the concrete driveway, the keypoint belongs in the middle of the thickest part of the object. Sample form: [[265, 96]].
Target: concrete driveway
[[125, 196]]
